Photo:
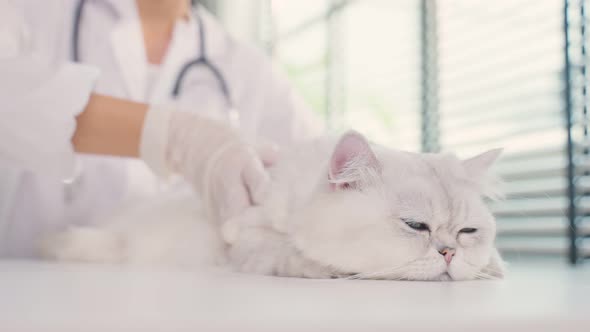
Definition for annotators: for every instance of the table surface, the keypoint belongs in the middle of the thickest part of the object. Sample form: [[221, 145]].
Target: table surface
[[40, 296]]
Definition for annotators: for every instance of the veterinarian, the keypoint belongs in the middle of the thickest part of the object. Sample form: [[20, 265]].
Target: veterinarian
[[131, 54]]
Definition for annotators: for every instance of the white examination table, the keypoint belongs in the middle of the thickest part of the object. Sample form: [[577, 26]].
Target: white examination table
[[37, 296]]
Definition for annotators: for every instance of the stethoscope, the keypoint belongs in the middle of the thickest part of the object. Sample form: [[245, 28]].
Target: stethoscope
[[200, 61]]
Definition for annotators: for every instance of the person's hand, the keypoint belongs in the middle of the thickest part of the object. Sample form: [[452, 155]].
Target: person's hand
[[227, 172]]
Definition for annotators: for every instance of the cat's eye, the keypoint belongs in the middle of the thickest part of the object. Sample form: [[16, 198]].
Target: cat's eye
[[468, 230], [415, 225]]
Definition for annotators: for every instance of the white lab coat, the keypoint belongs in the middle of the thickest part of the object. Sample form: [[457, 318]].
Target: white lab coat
[[36, 203]]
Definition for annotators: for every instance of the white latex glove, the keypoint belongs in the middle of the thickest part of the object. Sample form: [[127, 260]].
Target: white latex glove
[[227, 172]]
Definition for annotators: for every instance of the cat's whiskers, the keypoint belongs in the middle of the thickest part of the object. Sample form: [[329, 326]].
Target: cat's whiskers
[[480, 273], [382, 273], [492, 274]]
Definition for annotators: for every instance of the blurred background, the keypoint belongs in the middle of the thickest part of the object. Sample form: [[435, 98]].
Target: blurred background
[[457, 75]]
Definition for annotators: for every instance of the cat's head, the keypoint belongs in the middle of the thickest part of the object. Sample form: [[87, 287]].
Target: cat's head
[[386, 214]]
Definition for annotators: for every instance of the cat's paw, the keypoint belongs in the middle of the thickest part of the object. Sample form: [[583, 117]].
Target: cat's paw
[[293, 266], [299, 266], [280, 262], [257, 248]]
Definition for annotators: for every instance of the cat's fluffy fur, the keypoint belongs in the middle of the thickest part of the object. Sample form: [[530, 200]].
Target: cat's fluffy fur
[[335, 209]]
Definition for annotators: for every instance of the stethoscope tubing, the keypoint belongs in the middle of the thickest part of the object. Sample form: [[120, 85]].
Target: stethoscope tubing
[[200, 61]]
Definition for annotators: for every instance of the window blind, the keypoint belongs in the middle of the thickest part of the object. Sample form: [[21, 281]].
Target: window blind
[[576, 22], [503, 83]]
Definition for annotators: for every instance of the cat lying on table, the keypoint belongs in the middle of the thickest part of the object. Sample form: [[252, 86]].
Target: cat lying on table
[[336, 209]]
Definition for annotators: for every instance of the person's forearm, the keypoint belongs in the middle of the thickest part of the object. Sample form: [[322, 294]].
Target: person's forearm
[[110, 126]]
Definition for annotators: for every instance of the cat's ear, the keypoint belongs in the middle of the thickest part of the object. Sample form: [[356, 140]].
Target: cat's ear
[[477, 170], [353, 162], [477, 167]]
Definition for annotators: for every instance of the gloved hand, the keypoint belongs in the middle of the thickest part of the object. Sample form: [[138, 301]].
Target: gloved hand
[[226, 171]]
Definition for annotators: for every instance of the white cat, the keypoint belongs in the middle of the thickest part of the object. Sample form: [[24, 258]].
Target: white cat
[[335, 209]]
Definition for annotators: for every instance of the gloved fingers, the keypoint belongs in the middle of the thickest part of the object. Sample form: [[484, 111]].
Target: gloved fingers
[[256, 180], [232, 198], [239, 180], [268, 153]]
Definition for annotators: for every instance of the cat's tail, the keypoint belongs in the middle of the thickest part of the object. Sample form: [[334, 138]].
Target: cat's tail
[[84, 244]]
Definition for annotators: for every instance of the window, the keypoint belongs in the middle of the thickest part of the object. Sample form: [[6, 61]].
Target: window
[[357, 62], [501, 85], [465, 76]]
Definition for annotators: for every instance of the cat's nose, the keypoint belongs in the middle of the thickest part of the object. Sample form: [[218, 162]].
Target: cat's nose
[[448, 254]]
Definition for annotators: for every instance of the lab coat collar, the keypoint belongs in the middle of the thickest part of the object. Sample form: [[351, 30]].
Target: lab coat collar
[[128, 47], [129, 51], [185, 47], [124, 9]]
